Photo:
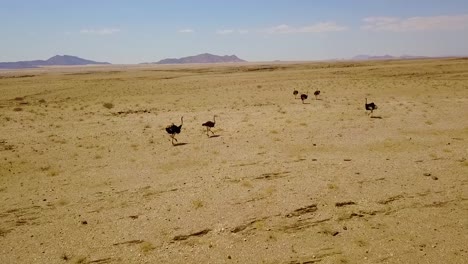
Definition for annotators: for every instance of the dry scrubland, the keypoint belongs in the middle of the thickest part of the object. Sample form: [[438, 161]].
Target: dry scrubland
[[88, 173]]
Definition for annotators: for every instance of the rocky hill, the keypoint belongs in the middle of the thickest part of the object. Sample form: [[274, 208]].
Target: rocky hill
[[58, 60], [386, 57], [202, 58]]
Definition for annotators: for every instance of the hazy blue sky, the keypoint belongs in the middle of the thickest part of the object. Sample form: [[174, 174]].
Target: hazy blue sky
[[120, 31]]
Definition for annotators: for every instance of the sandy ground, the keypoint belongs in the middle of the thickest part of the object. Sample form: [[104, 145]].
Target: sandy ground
[[88, 173]]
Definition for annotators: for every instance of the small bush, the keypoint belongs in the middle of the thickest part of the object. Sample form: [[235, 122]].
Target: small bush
[[108, 105], [65, 257], [146, 247], [198, 204]]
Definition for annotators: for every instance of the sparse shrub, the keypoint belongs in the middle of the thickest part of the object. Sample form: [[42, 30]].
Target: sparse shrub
[[17, 109], [108, 105], [198, 203], [272, 237], [247, 184], [146, 247], [53, 173], [260, 224], [80, 260], [62, 202], [45, 168], [3, 232], [64, 257], [343, 260], [270, 190]]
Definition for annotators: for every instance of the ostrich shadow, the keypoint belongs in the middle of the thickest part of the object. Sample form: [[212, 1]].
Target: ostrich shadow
[[377, 117], [179, 144], [214, 136]]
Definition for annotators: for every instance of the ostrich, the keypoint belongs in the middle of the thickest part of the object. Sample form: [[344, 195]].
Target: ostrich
[[173, 129], [304, 97], [316, 93], [296, 92], [209, 125], [370, 107]]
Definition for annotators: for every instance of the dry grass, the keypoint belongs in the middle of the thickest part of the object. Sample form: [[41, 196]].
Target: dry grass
[[197, 204], [146, 247], [99, 133], [108, 105]]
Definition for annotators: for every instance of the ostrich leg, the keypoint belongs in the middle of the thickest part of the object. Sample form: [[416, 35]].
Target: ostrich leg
[[173, 138]]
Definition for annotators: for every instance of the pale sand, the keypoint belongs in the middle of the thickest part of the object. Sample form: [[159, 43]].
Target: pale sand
[[283, 182]]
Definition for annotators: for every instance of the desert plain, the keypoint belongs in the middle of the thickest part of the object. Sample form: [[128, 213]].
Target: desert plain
[[88, 173]]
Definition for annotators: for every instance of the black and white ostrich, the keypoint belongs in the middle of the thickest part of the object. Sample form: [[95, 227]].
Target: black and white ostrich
[[316, 93], [209, 125], [295, 93], [304, 96], [172, 130], [370, 106]]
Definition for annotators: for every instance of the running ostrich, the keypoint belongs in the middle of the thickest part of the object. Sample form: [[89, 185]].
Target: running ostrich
[[370, 107], [304, 96], [173, 129], [209, 125], [316, 93], [296, 92]]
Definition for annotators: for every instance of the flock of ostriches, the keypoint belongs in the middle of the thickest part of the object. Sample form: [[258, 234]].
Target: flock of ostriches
[[173, 130]]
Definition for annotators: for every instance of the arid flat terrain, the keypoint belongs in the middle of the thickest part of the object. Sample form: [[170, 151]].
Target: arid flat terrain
[[88, 173]]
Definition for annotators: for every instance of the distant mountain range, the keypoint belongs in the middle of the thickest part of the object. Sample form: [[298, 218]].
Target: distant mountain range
[[57, 60], [201, 58], [67, 60], [387, 57]]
